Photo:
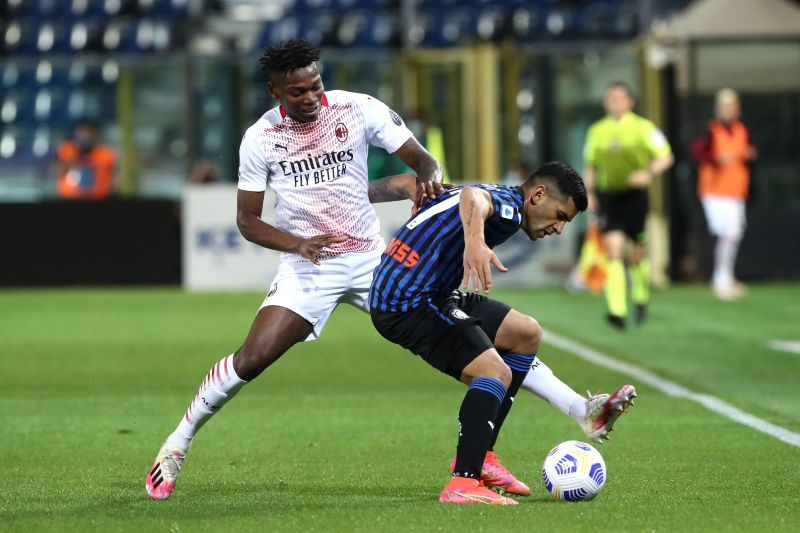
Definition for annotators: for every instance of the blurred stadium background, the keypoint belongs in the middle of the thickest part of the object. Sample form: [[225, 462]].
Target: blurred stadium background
[[509, 84], [350, 433]]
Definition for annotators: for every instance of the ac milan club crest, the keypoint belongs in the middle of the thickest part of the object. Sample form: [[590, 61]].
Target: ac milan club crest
[[341, 132]]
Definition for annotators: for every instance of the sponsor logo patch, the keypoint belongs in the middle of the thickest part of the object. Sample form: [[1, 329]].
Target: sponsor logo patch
[[506, 211]]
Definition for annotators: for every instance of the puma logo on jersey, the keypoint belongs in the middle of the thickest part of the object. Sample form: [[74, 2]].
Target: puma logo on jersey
[[281, 146]]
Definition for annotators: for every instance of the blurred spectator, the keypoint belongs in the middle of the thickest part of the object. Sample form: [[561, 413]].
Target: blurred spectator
[[723, 155], [85, 167], [204, 172], [623, 153]]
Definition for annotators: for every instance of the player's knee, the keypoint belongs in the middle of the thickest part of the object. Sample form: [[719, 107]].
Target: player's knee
[[531, 336], [500, 371]]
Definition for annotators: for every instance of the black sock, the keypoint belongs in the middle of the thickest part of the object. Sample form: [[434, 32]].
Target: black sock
[[519, 364], [476, 420]]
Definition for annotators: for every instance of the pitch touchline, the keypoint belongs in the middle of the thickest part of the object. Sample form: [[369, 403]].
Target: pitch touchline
[[671, 388]]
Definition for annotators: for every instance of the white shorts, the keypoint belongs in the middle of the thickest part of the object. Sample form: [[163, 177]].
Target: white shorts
[[725, 215], [313, 292]]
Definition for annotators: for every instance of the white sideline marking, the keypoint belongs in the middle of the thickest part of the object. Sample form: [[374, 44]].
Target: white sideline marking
[[670, 388], [786, 346]]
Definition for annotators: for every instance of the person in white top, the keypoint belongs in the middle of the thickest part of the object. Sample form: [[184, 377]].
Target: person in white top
[[312, 152]]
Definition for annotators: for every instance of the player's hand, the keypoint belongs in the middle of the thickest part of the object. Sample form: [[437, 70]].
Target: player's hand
[[427, 189], [477, 258], [424, 198], [640, 179], [312, 247]]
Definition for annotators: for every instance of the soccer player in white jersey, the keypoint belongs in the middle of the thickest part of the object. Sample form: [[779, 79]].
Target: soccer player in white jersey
[[312, 151]]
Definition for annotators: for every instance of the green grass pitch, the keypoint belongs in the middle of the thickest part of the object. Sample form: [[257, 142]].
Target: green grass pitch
[[350, 433]]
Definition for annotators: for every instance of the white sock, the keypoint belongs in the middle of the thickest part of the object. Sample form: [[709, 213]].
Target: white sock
[[543, 383], [724, 261], [220, 385]]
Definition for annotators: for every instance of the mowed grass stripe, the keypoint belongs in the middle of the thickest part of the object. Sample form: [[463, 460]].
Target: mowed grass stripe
[[670, 388]]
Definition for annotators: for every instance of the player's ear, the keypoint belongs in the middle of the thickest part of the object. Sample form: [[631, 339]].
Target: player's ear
[[272, 90], [539, 194]]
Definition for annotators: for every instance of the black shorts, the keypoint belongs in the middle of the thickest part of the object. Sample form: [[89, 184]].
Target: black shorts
[[624, 211], [447, 331]]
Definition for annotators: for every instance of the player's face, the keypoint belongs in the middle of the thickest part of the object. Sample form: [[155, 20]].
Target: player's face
[[617, 101], [545, 213], [300, 93], [728, 110]]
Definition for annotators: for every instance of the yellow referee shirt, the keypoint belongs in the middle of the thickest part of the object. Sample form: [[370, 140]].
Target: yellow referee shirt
[[616, 148]]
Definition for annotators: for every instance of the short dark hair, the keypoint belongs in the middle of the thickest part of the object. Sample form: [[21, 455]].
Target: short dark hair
[[621, 85], [567, 181], [287, 56]]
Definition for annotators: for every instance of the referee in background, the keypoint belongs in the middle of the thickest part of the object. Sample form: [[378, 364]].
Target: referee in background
[[623, 153]]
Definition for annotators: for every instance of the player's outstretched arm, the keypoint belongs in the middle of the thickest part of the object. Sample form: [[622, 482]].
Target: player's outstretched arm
[[248, 218], [428, 169], [475, 206]]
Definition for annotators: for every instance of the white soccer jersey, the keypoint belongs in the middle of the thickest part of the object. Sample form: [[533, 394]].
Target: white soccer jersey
[[318, 170]]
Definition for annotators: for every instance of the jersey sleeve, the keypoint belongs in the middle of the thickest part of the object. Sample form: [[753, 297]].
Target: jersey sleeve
[[590, 146], [506, 216], [253, 172], [383, 127], [655, 141]]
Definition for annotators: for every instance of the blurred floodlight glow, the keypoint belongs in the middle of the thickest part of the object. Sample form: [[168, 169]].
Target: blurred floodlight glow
[[13, 34], [9, 111], [110, 71], [555, 23], [8, 145], [43, 103], [44, 72], [79, 36], [79, 7], [112, 7], [111, 37], [41, 141], [47, 37], [525, 99], [526, 135]]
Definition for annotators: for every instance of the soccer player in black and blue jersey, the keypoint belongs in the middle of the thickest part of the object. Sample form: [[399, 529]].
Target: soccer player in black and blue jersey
[[481, 342]]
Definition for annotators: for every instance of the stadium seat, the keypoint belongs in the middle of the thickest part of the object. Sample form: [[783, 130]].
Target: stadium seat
[[53, 38], [87, 8], [320, 28], [50, 9], [491, 23]]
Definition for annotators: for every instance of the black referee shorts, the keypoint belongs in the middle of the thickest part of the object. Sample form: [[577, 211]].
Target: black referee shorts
[[624, 211], [448, 331]]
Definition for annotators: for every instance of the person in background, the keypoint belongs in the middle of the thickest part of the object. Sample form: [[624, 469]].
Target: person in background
[[723, 155], [623, 152], [85, 166]]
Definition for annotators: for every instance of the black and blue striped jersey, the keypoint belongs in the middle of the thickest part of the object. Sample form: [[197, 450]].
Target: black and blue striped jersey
[[425, 257]]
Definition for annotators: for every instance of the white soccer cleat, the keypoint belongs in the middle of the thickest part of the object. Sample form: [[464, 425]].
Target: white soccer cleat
[[602, 411], [162, 476]]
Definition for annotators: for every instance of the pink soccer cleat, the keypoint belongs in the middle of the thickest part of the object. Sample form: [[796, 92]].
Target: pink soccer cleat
[[603, 410], [496, 476], [465, 490], [162, 476]]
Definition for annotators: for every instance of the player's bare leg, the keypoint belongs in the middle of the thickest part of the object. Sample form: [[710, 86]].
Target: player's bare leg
[[274, 330]]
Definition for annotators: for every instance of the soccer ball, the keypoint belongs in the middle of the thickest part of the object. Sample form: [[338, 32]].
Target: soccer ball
[[574, 471]]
